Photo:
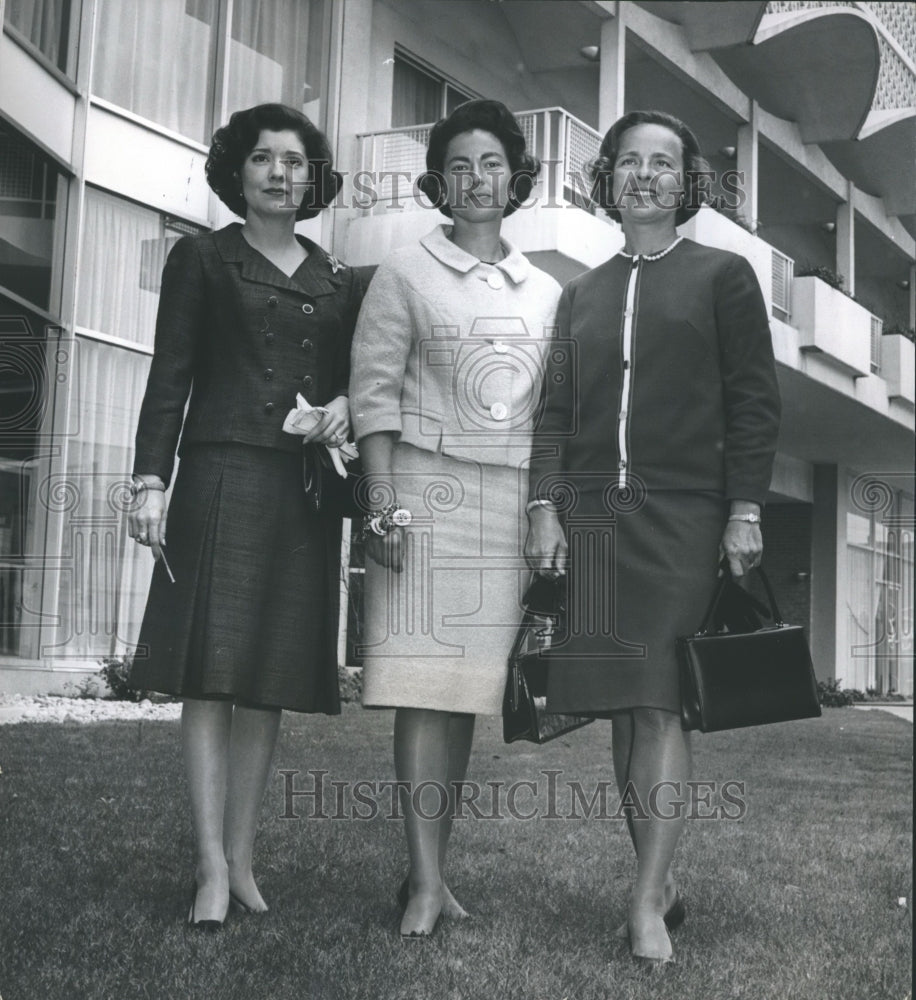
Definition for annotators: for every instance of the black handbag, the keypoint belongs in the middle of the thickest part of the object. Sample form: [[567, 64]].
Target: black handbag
[[326, 492], [736, 671], [525, 715]]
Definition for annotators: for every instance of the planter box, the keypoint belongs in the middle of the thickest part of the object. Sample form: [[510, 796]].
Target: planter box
[[898, 367], [831, 323]]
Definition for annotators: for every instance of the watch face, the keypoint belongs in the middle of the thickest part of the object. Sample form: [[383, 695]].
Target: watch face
[[401, 518]]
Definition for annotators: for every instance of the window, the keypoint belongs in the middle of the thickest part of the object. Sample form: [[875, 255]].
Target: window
[[275, 54], [880, 596], [104, 579], [419, 96], [157, 60], [44, 23], [30, 184], [124, 247]]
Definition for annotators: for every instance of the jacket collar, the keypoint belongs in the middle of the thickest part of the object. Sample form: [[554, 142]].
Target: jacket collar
[[319, 274], [514, 264]]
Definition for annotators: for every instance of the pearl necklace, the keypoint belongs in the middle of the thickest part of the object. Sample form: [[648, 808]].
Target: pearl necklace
[[654, 256]]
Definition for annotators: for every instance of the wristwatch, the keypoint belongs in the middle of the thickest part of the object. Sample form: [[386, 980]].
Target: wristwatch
[[750, 518]]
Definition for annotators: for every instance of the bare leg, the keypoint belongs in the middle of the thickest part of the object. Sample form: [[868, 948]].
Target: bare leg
[[421, 755], [622, 734], [205, 729], [661, 753], [251, 747], [460, 740]]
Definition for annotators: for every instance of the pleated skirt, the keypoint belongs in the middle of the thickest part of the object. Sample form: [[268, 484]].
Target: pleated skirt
[[252, 616], [437, 635], [638, 579]]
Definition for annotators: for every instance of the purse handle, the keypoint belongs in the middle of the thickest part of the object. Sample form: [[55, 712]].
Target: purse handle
[[720, 590]]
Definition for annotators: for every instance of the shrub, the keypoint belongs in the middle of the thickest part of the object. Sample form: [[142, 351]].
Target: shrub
[[831, 695], [805, 269], [116, 674], [351, 683]]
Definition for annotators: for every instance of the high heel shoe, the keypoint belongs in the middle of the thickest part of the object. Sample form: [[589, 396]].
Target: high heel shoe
[[675, 914], [207, 926], [243, 906], [648, 962]]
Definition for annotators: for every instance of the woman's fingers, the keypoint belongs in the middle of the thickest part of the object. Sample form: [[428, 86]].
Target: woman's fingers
[[742, 545]]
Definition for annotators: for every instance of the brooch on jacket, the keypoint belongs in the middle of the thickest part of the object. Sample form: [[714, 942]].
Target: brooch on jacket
[[335, 264]]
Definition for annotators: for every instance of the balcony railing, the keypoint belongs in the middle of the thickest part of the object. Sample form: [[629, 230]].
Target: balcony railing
[[781, 285], [390, 161], [877, 329]]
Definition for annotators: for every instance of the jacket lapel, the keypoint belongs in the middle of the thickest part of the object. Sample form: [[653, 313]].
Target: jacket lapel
[[318, 275]]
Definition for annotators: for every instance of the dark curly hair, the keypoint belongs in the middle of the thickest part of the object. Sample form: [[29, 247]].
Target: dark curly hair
[[695, 166], [487, 116], [234, 141]]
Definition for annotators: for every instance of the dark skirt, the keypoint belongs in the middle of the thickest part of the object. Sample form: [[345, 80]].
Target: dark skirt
[[638, 579], [252, 616]]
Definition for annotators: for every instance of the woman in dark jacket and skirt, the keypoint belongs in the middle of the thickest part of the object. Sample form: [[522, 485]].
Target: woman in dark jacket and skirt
[[651, 462], [242, 615]]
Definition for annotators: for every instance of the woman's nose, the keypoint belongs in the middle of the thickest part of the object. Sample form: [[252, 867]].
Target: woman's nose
[[277, 168], [644, 169]]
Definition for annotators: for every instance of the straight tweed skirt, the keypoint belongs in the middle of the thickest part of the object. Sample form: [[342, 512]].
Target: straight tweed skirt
[[638, 577], [252, 616], [438, 634]]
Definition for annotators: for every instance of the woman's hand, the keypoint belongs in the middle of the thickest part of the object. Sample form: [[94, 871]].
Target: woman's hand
[[147, 518], [334, 427], [742, 544], [388, 550], [545, 546]]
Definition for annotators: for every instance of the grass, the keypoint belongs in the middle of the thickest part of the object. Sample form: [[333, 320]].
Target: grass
[[798, 899]]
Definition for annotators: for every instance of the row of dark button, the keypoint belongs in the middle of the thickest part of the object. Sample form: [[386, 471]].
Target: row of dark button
[[306, 380], [307, 307]]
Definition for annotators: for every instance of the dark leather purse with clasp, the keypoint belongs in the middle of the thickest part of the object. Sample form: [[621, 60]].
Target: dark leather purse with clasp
[[737, 671]]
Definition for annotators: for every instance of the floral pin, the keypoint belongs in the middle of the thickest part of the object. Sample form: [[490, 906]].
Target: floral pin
[[335, 264]]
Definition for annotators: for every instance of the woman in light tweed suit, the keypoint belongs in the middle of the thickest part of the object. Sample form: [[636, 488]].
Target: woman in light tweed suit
[[249, 316], [445, 379]]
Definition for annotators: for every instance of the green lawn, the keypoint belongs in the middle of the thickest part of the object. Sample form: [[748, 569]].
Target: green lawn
[[797, 900]]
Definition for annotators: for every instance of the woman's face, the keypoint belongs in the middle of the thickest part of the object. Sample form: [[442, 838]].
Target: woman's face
[[477, 175], [274, 174], [648, 173]]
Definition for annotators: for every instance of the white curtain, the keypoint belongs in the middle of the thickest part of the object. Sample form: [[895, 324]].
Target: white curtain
[[105, 576], [275, 54], [155, 59], [43, 22], [122, 254]]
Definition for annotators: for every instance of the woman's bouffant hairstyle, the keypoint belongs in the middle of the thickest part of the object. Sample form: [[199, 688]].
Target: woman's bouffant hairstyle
[[487, 116], [234, 141], [695, 167]]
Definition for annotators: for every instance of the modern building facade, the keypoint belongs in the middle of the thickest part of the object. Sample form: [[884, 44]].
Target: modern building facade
[[807, 112]]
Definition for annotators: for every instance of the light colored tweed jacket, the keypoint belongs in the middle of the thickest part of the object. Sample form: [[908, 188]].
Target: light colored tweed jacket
[[448, 351]]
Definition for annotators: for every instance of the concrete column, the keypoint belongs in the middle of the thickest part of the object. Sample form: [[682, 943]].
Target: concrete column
[[611, 78], [912, 320], [846, 239], [828, 577], [748, 146]]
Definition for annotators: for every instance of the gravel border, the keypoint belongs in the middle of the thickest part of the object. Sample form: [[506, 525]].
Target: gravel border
[[15, 708]]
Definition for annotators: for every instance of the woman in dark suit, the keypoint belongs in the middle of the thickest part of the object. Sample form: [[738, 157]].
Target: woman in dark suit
[[249, 316], [651, 462]]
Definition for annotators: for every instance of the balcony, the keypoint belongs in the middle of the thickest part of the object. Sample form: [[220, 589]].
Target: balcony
[[832, 324], [558, 226]]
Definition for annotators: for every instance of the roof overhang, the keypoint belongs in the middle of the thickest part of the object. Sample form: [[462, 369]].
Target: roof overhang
[[710, 25], [817, 67]]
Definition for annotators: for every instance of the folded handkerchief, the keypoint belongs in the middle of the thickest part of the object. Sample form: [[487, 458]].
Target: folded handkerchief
[[304, 418]]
